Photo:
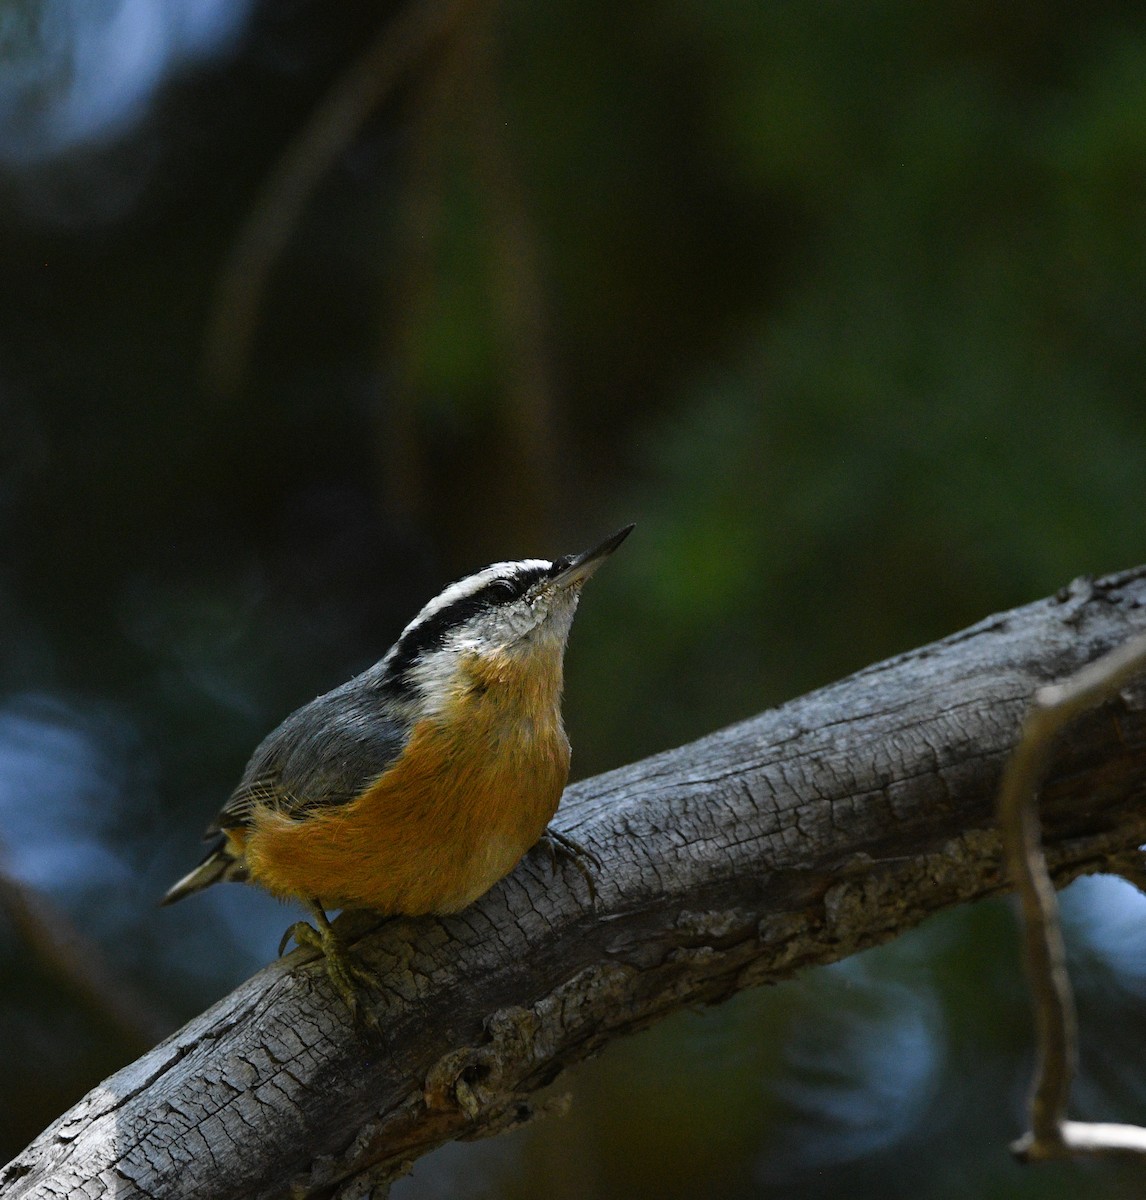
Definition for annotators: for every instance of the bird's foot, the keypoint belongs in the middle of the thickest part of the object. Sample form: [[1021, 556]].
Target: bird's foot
[[347, 975], [564, 849]]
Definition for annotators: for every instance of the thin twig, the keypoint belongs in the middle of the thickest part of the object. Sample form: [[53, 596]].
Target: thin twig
[[1085, 1139], [1051, 1134], [331, 128]]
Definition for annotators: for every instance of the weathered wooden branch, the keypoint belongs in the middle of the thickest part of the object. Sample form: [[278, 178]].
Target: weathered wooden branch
[[799, 837]]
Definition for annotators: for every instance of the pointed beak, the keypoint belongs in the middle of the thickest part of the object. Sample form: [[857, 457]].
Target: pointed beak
[[581, 566]]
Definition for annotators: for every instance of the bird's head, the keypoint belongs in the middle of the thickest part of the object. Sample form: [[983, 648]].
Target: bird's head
[[514, 612]]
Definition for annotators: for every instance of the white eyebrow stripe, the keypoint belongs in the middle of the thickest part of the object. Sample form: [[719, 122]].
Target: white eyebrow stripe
[[472, 583]]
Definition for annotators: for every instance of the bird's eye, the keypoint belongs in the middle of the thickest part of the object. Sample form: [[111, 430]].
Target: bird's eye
[[507, 589], [559, 564]]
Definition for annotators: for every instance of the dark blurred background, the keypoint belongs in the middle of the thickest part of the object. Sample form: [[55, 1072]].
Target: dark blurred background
[[309, 308]]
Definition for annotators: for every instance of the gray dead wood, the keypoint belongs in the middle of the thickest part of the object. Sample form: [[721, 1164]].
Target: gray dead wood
[[799, 837]]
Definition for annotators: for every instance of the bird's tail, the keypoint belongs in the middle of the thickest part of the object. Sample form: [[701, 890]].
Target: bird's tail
[[220, 863]]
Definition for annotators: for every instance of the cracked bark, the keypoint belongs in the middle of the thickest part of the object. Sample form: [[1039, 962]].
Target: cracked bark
[[799, 837]]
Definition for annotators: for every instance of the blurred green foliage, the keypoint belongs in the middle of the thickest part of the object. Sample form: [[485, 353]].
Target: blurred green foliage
[[842, 303]]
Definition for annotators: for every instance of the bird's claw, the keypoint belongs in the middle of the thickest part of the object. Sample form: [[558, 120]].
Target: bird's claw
[[302, 933], [563, 848], [344, 971]]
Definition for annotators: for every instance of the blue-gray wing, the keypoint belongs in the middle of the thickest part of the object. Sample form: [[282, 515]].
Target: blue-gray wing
[[325, 754]]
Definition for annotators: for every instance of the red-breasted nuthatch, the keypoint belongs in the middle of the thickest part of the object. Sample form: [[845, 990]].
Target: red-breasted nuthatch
[[417, 785]]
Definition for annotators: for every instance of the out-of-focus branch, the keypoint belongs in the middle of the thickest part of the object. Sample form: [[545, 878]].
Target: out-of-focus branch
[[461, 141], [1051, 1135], [333, 126], [519, 298], [435, 111], [62, 952]]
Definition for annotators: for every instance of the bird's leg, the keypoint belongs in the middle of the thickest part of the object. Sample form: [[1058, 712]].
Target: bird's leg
[[563, 848], [343, 969]]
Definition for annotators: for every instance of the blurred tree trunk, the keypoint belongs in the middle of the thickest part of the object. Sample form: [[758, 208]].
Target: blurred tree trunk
[[798, 837]]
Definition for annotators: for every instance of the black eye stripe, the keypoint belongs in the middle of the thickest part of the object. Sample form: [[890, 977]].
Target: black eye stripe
[[429, 634]]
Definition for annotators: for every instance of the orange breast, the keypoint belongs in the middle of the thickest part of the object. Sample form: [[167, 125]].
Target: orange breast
[[473, 790]]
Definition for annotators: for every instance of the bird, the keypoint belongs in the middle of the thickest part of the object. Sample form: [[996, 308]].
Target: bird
[[415, 786]]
